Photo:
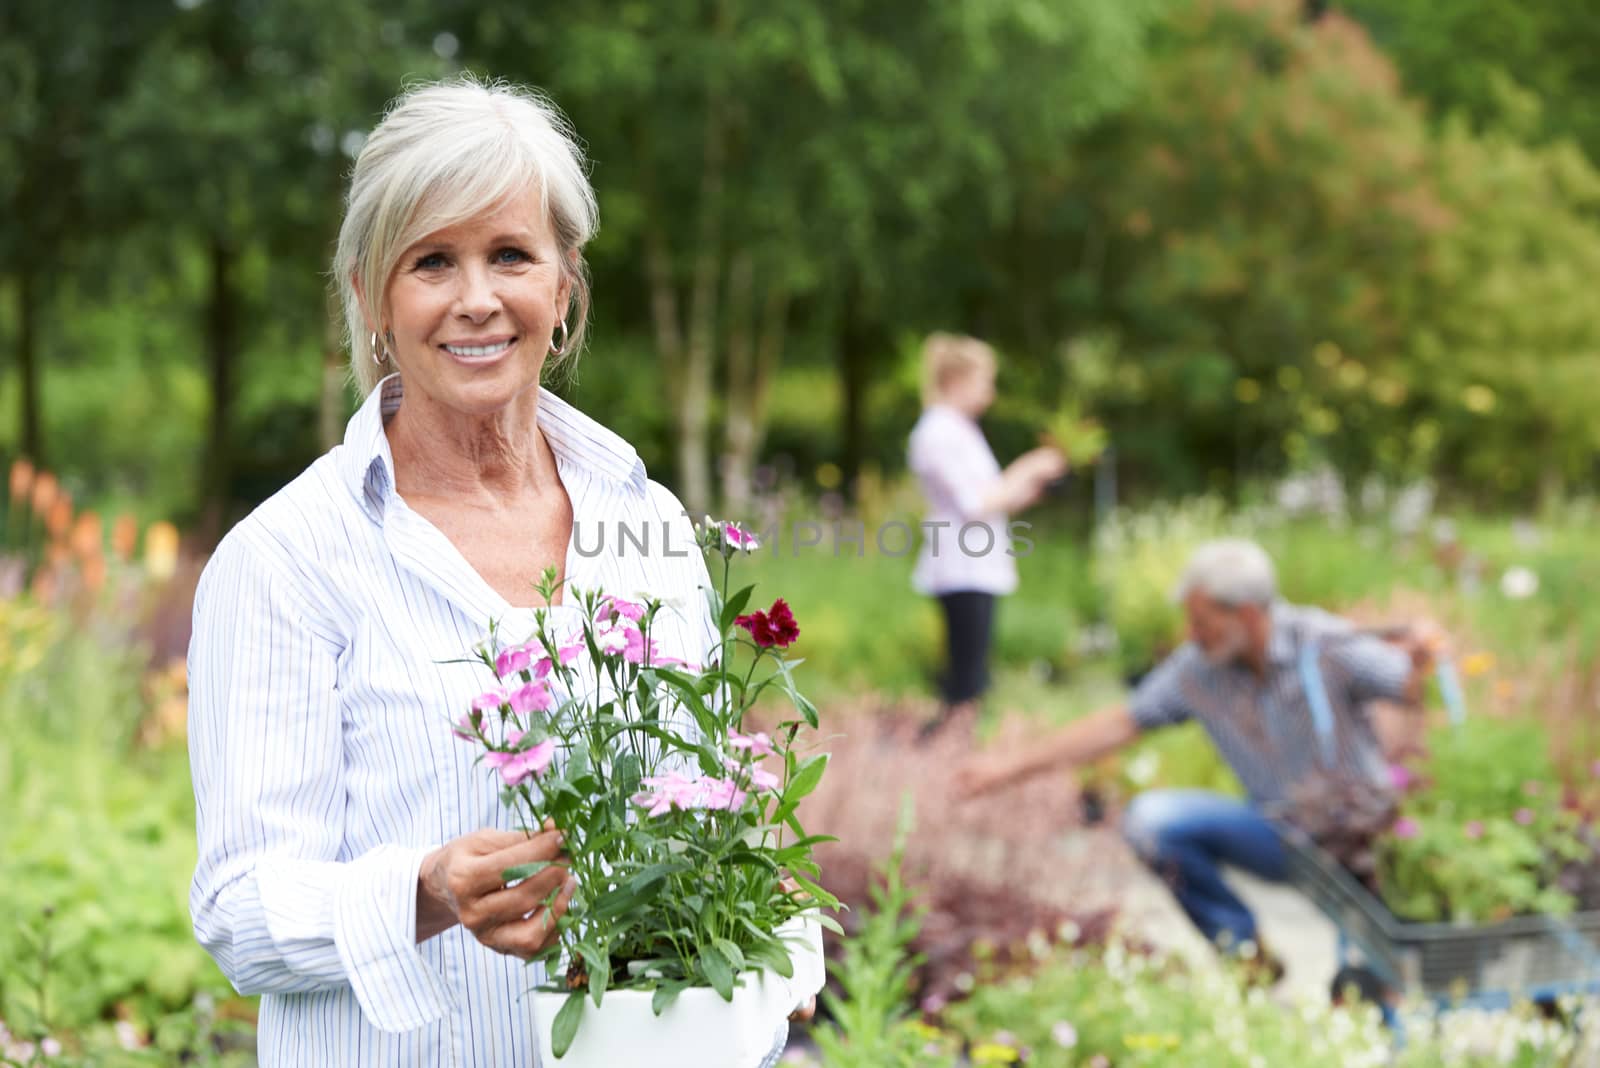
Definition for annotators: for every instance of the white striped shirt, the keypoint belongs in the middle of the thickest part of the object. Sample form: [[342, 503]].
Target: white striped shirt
[[324, 766]]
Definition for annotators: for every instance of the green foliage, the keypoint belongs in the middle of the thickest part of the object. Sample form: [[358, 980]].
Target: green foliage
[[98, 843], [1487, 836], [1124, 1009], [870, 1023]]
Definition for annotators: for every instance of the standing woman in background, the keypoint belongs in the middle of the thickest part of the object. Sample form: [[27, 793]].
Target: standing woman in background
[[966, 559]]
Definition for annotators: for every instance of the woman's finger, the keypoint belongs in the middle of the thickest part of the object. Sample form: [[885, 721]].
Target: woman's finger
[[531, 935], [508, 904], [486, 873]]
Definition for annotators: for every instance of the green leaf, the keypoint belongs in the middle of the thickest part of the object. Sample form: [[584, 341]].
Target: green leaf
[[801, 783], [523, 871], [664, 997], [565, 1027], [735, 607], [775, 958], [718, 972], [734, 954]]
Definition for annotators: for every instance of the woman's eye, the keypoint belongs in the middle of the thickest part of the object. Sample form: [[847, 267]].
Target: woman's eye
[[511, 255], [431, 262]]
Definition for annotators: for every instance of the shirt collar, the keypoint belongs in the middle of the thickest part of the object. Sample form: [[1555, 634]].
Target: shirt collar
[[367, 465], [1283, 644]]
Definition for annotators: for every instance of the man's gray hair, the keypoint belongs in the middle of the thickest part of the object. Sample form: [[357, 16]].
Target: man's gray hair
[[1231, 571]]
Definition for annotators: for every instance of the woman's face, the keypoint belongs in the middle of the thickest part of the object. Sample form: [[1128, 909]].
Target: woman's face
[[473, 307], [972, 391]]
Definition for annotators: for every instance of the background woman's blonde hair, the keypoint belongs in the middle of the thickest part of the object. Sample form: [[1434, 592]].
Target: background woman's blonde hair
[[444, 153], [946, 357]]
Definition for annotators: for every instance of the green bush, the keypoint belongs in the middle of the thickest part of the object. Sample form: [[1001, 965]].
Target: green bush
[[98, 844]]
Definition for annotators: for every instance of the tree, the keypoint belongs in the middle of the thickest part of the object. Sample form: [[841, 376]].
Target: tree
[[60, 66], [235, 142]]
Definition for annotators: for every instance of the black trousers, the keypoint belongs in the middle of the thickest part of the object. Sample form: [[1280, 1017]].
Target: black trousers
[[968, 623]]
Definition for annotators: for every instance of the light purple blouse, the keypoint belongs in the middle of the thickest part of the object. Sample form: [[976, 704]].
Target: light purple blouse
[[963, 547]]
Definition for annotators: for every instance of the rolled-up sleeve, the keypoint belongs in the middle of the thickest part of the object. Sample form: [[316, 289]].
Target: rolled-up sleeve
[[1373, 669], [274, 900], [1158, 699]]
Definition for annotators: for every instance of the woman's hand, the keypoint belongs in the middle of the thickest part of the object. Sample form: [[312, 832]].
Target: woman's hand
[[461, 882]]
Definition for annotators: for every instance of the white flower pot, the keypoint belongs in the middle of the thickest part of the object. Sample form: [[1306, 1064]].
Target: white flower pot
[[699, 1030]]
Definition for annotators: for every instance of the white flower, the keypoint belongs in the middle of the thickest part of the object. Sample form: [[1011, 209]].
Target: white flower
[[1065, 1034], [1519, 583]]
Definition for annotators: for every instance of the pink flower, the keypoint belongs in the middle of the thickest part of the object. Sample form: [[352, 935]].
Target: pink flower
[[611, 608], [516, 765], [758, 744], [1524, 816], [566, 653], [1065, 1035], [1474, 829], [489, 700], [723, 794], [1400, 777], [1406, 828], [1594, 769], [534, 697], [740, 539], [760, 778], [512, 660], [1533, 788], [466, 728], [671, 791]]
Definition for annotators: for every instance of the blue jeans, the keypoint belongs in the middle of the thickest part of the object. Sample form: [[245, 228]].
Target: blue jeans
[[1186, 836]]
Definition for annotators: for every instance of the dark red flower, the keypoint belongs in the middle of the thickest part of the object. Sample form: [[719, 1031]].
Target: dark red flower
[[774, 627], [781, 620]]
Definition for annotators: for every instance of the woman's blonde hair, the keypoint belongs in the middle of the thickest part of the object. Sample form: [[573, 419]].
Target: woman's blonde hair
[[946, 357], [444, 153]]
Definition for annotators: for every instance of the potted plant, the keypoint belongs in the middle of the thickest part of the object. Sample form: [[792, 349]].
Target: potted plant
[[696, 927]]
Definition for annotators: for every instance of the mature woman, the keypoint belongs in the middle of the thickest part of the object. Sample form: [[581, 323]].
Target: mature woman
[[966, 559], [350, 851]]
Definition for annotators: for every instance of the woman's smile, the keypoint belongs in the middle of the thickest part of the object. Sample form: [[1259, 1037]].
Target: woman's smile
[[479, 352]]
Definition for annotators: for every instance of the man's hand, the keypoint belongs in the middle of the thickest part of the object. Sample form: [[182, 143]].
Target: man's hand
[[1425, 641], [985, 775]]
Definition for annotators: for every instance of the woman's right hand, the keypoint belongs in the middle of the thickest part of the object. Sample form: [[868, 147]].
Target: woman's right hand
[[1031, 472], [461, 882]]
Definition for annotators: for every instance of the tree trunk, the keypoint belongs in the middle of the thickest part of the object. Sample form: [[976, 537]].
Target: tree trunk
[[855, 361], [221, 350], [754, 350], [738, 423], [32, 443]]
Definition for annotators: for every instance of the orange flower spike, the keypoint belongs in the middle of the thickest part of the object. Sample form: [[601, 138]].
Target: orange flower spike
[[124, 537], [87, 536], [45, 489], [21, 479], [58, 520]]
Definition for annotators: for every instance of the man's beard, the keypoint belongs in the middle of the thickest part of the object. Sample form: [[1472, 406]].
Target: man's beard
[[1231, 651]]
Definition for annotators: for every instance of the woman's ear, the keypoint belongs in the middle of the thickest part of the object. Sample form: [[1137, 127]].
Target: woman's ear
[[361, 299], [564, 291]]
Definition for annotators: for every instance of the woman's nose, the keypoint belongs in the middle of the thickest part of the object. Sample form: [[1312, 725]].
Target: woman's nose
[[477, 299]]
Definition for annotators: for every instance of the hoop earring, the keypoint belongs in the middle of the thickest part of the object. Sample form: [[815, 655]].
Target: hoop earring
[[380, 354], [557, 350]]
